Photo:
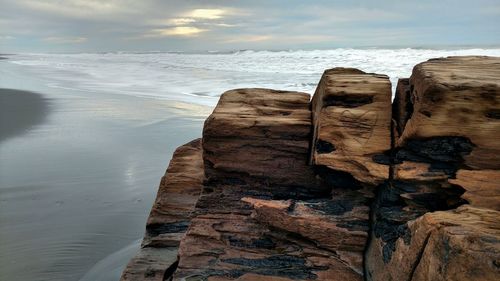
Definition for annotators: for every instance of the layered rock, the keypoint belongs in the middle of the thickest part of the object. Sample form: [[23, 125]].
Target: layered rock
[[258, 183], [456, 96], [287, 186], [352, 123], [445, 154], [259, 134], [461, 244], [482, 187], [170, 216]]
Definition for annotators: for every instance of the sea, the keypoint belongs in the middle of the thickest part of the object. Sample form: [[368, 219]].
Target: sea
[[76, 186]]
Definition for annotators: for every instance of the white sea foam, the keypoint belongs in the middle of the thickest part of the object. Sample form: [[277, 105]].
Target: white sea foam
[[201, 78]]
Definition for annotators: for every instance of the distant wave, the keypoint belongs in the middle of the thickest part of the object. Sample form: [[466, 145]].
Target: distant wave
[[199, 78]]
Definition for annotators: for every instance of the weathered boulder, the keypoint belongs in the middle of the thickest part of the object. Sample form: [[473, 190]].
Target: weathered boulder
[[352, 123], [444, 155], [461, 244], [446, 121], [457, 97], [170, 216], [259, 134]]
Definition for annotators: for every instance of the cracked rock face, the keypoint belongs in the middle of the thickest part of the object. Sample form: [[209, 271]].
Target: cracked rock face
[[340, 188]]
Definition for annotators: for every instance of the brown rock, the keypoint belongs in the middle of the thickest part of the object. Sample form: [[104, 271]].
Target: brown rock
[[352, 123], [237, 247], [443, 148], [401, 113], [482, 188], [463, 244], [457, 97], [328, 223], [259, 134], [256, 147], [441, 132], [264, 214], [169, 218]]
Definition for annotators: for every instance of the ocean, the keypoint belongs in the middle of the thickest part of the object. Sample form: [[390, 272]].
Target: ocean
[[200, 78], [77, 184]]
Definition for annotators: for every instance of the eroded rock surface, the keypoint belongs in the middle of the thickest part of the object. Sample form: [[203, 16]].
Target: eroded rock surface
[[445, 155], [256, 151], [170, 216], [259, 134], [461, 244], [352, 123], [458, 96], [342, 188]]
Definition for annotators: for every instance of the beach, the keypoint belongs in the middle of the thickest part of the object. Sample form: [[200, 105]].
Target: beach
[[78, 175], [86, 138]]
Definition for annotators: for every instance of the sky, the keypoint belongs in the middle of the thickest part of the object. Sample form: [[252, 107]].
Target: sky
[[166, 25]]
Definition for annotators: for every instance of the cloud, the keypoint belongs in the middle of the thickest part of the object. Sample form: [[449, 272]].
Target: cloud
[[65, 40], [183, 31], [180, 21], [6, 37], [248, 38], [235, 24], [80, 9], [210, 14]]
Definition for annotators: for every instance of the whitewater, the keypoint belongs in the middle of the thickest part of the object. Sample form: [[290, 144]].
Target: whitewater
[[199, 78]]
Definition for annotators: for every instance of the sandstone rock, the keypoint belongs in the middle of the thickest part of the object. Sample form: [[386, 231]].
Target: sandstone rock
[[352, 123], [482, 188], [265, 214], [338, 225], [463, 244], [445, 122], [256, 150], [151, 264], [170, 216], [445, 150], [401, 105], [457, 97], [237, 247], [259, 134]]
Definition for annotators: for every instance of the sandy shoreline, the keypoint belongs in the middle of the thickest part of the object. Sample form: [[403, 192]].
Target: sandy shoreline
[[78, 174]]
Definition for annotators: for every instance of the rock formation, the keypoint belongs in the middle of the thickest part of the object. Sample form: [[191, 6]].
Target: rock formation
[[170, 216], [339, 188], [256, 145], [352, 123], [445, 154]]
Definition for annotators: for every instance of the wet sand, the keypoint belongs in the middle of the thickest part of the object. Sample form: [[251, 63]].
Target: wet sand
[[19, 111], [78, 175]]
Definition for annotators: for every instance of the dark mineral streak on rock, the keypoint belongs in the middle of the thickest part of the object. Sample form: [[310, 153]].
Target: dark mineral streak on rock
[[347, 100], [324, 147], [493, 113], [156, 229]]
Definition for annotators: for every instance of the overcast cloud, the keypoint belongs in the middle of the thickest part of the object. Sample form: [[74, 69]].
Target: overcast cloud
[[154, 25]]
